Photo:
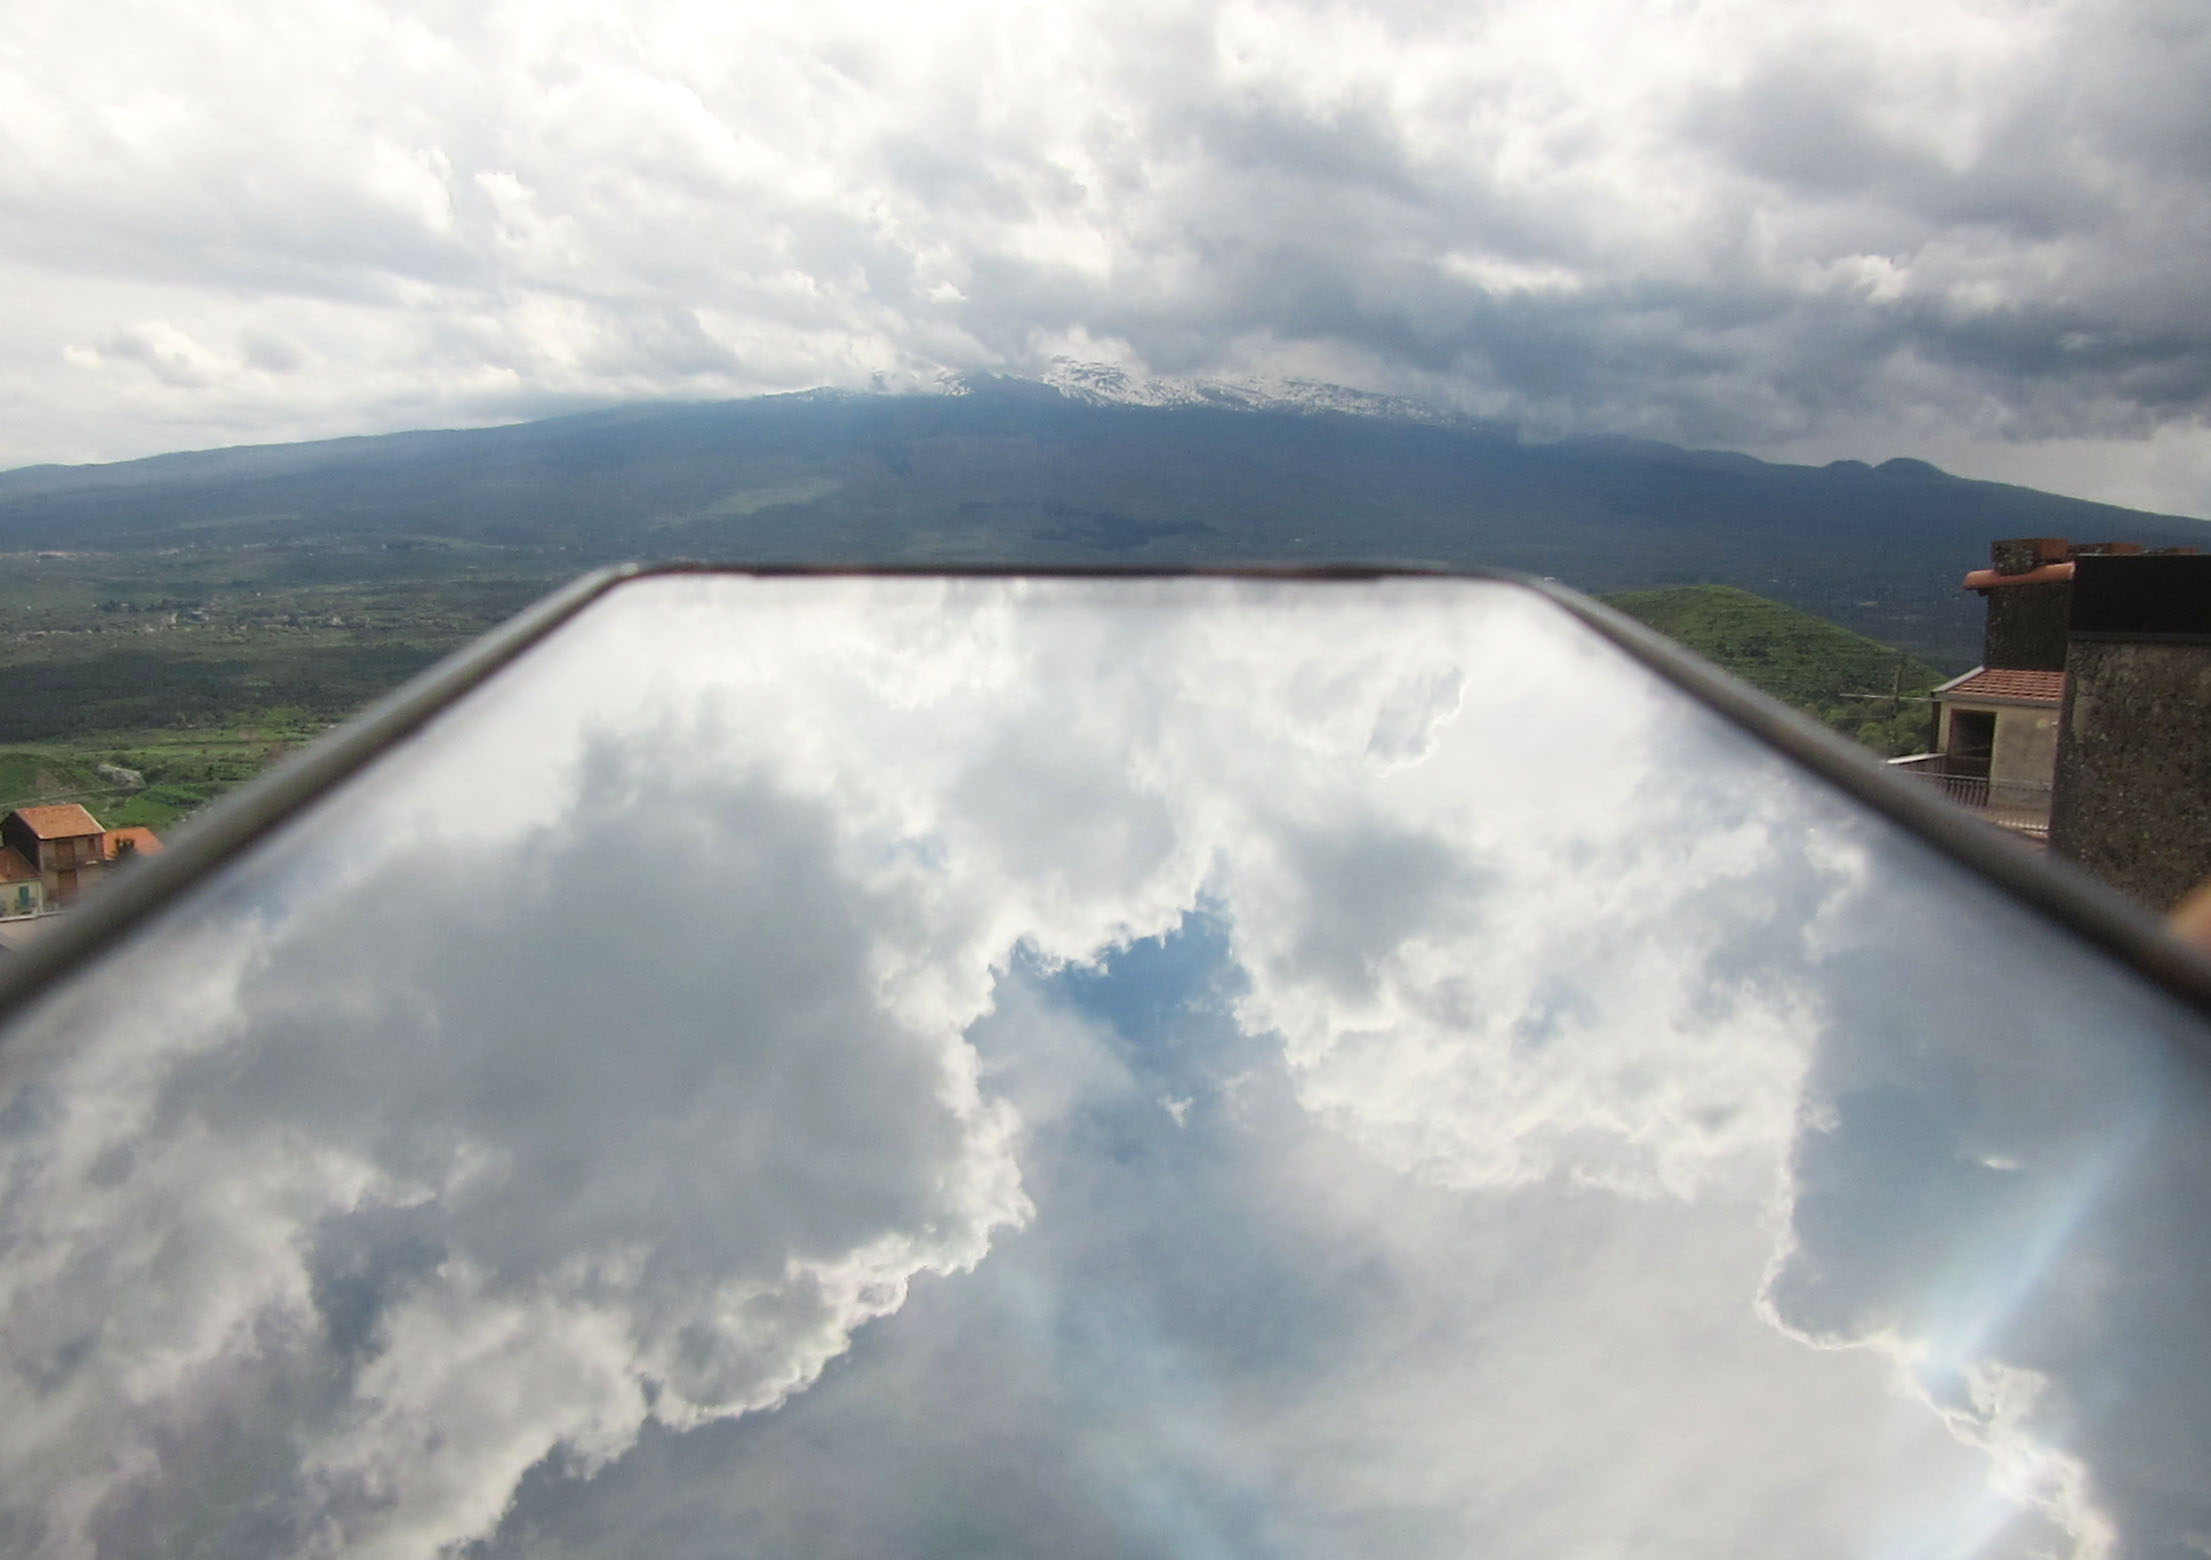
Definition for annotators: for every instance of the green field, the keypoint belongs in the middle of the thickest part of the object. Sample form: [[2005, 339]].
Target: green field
[[181, 771], [100, 643], [198, 668], [1855, 685]]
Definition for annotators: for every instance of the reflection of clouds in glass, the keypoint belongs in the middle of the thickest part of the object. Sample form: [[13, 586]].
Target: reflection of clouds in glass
[[1245, 1335], [464, 1144], [1523, 952], [1995, 1192], [1490, 1025], [1405, 726], [490, 1156]]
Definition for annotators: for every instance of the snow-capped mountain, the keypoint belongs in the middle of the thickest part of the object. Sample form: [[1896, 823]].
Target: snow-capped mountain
[[1015, 472], [1106, 384]]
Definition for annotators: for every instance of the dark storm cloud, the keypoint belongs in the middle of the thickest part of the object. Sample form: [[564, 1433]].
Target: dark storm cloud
[[1728, 222], [1834, 230]]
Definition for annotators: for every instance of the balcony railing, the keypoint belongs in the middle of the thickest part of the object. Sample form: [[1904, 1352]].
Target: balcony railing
[[2021, 805]]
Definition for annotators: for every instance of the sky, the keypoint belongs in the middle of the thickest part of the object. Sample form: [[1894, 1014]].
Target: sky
[[1287, 1101], [1969, 231]]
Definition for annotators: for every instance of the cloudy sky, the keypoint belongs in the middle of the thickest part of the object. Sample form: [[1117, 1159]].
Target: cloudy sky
[[1968, 230]]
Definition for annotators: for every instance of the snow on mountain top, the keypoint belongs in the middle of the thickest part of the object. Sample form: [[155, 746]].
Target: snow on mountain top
[[1104, 384]]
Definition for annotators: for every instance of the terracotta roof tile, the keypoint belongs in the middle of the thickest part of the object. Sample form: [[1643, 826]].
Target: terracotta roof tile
[[14, 869], [142, 842], [60, 821], [2047, 574], [2002, 682]]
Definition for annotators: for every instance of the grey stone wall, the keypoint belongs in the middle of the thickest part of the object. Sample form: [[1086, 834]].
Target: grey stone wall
[[2026, 626], [2133, 798], [2026, 746]]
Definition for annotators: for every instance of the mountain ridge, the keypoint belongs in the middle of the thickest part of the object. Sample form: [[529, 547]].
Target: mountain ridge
[[1100, 385], [1017, 472]]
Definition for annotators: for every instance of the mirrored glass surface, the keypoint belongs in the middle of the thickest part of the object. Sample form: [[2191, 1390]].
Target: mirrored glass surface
[[1187, 1068]]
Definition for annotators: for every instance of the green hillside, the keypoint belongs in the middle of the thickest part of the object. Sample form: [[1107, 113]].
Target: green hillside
[[196, 673], [1008, 473], [1841, 678]]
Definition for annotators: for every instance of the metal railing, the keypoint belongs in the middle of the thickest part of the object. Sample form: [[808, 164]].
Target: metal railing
[[2022, 805]]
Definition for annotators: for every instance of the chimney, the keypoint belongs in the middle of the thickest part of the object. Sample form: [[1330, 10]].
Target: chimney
[[2029, 591], [2022, 554]]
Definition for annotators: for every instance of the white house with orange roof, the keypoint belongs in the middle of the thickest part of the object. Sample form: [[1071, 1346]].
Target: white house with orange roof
[[22, 890]]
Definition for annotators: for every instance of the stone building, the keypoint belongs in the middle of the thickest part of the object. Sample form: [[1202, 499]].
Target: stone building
[[2088, 721], [1996, 727], [2132, 800], [2029, 590]]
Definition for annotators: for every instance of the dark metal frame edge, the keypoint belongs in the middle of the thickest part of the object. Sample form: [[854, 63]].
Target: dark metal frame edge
[[2054, 888]]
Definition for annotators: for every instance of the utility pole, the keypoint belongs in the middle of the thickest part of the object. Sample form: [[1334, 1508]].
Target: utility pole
[[1896, 700]]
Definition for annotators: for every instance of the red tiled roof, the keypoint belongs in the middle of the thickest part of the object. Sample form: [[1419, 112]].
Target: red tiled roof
[[14, 869], [2046, 574], [142, 842], [2001, 682], [59, 821]]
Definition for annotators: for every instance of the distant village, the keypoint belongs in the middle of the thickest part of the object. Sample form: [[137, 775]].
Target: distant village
[[51, 854]]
